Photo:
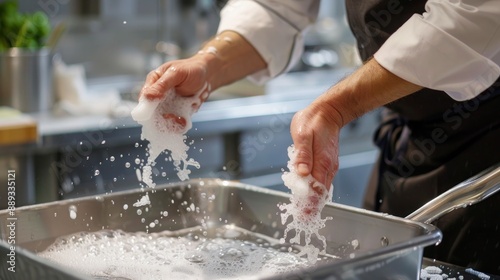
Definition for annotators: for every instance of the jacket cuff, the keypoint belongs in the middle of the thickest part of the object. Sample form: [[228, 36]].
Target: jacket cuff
[[420, 52]]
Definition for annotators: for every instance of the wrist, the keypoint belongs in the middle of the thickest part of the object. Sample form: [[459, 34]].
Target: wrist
[[329, 112], [370, 87], [210, 63], [229, 57]]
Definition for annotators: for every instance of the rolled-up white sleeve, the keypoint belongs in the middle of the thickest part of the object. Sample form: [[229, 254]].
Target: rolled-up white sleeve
[[274, 28], [454, 47]]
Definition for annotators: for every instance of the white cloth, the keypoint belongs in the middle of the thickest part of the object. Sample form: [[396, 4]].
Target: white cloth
[[454, 46], [75, 98]]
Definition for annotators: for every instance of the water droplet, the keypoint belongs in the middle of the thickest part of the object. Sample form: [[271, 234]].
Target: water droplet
[[137, 161], [125, 206], [97, 172], [127, 164], [111, 158], [194, 258], [355, 244], [384, 241], [103, 142], [178, 194]]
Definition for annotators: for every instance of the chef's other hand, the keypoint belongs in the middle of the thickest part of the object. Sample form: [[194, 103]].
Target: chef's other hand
[[315, 133], [187, 76]]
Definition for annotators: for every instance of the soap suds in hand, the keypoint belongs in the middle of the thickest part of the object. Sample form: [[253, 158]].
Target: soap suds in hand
[[164, 124], [307, 201]]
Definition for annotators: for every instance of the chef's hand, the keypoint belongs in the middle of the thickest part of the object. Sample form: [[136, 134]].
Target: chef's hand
[[187, 76], [315, 132], [225, 59], [316, 129]]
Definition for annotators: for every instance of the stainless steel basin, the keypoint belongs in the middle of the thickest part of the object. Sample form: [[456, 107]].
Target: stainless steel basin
[[387, 246]]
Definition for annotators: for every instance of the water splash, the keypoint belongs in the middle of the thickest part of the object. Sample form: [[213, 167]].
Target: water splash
[[306, 203]]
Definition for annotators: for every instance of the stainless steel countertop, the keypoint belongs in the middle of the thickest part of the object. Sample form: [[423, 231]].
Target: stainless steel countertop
[[283, 97]]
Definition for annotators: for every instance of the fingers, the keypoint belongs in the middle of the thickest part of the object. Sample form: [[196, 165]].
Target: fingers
[[176, 119], [177, 124], [188, 77], [154, 75], [316, 146], [159, 81], [325, 165], [315, 199]]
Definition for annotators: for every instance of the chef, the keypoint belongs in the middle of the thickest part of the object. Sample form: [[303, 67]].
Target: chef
[[434, 67]]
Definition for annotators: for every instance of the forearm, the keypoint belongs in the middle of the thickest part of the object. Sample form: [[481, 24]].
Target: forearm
[[315, 130], [229, 58], [370, 87]]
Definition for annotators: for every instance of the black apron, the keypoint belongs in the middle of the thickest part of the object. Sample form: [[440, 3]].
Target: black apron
[[429, 143]]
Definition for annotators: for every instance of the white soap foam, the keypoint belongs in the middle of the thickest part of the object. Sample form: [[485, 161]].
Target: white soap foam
[[116, 254], [479, 274], [143, 201], [164, 124], [305, 209], [433, 272]]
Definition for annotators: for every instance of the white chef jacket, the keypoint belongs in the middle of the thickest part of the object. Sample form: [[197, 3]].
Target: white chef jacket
[[454, 46]]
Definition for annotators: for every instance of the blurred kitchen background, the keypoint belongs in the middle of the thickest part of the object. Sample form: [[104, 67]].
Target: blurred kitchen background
[[84, 142]]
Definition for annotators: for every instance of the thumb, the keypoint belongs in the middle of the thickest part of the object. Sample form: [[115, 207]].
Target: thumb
[[302, 142], [303, 159], [303, 154]]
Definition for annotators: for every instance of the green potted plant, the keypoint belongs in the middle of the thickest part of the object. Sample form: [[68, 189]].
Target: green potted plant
[[18, 30], [25, 61]]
